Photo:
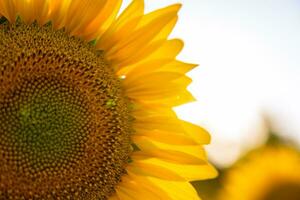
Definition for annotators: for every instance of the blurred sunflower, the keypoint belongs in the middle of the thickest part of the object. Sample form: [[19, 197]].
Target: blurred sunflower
[[271, 173], [86, 100]]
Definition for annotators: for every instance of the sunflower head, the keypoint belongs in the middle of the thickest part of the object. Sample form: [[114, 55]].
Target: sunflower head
[[86, 102]]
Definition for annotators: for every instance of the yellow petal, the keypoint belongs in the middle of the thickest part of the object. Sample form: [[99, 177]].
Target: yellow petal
[[182, 154], [140, 38], [123, 26], [142, 110], [28, 10], [139, 55], [166, 65], [177, 190], [126, 194], [103, 20], [114, 197], [169, 50], [8, 9], [76, 14], [132, 188], [148, 80], [181, 98], [58, 11], [189, 172], [166, 52], [147, 169], [159, 189], [146, 67], [198, 133], [167, 29], [145, 183], [156, 90], [172, 124], [33, 10], [166, 137], [156, 43], [178, 66], [41, 11], [157, 13], [81, 13], [88, 19]]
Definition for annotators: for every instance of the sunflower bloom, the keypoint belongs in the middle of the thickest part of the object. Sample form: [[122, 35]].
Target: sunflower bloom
[[271, 173], [86, 98]]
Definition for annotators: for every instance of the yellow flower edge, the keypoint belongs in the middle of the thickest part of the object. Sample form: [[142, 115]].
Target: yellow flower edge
[[264, 174], [137, 47]]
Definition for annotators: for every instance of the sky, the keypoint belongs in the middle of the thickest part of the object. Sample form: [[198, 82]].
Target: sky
[[247, 51]]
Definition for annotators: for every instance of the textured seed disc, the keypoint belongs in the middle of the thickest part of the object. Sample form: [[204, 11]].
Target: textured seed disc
[[64, 121]]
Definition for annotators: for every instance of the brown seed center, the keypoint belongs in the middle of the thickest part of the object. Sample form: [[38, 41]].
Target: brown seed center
[[64, 121]]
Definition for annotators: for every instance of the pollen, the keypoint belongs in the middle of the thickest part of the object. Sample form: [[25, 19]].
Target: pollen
[[65, 122]]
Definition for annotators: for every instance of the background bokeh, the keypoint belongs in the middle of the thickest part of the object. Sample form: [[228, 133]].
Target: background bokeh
[[248, 52], [248, 81], [247, 84]]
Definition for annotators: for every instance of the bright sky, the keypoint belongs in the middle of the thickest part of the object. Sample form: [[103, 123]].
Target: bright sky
[[249, 64]]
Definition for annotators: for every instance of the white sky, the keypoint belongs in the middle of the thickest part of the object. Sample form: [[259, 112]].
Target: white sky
[[249, 64]]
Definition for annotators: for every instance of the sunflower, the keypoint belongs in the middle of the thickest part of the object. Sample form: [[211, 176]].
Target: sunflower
[[86, 98], [271, 173]]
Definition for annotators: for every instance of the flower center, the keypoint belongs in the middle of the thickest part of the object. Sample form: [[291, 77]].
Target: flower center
[[64, 121], [288, 191]]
